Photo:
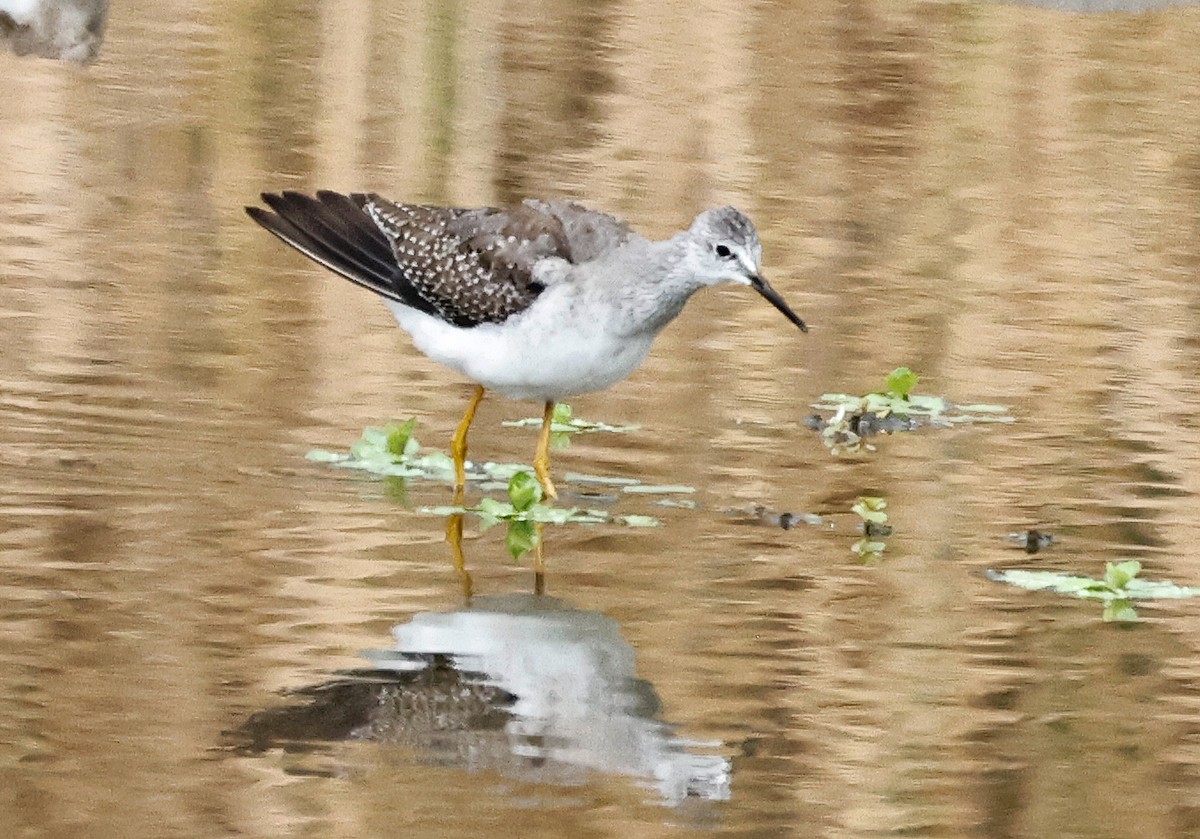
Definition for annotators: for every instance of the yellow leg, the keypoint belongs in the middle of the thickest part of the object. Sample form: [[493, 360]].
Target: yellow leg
[[541, 460], [458, 445], [454, 535]]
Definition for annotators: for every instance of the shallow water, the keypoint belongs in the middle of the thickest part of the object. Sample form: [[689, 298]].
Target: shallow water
[[206, 634]]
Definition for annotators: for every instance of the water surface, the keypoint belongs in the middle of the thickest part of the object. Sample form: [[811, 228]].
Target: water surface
[[206, 634]]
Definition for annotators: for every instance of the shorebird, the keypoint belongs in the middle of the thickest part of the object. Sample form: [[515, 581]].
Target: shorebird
[[542, 300]]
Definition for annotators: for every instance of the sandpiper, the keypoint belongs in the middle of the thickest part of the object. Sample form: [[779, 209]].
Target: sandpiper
[[542, 300]]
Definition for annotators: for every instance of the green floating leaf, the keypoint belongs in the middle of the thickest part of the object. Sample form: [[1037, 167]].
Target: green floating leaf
[[604, 480], [521, 538], [869, 548], [492, 512], [1118, 574], [524, 491], [871, 509], [1120, 585], [448, 510], [1159, 590], [900, 382], [1052, 581], [399, 436], [563, 421], [663, 489], [639, 521], [981, 408], [680, 503], [1119, 610], [932, 405], [390, 451]]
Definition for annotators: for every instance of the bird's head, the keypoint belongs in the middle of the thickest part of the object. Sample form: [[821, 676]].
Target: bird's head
[[724, 248]]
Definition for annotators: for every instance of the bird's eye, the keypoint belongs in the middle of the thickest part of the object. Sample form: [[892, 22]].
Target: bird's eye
[[723, 251]]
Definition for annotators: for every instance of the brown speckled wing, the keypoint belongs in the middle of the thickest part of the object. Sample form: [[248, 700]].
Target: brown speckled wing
[[470, 266]]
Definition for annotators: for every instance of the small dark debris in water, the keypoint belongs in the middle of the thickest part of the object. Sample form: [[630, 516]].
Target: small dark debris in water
[[876, 530], [760, 515], [1032, 541], [848, 431], [869, 424]]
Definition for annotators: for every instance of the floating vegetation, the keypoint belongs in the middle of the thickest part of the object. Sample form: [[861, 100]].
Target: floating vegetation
[[635, 487], [564, 421], [871, 509], [1120, 585], [895, 408], [652, 489], [390, 451], [525, 505]]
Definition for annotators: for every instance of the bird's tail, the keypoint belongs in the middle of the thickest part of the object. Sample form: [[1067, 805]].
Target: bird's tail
[[334, 230]]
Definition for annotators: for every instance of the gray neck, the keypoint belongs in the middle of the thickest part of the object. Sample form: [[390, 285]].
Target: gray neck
[[663, 287]]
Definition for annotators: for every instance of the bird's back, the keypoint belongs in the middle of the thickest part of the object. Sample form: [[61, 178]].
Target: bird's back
[[463, 266]]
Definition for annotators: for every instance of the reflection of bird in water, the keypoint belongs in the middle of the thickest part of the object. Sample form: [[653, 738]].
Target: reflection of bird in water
[[72, 30], [525, 685]]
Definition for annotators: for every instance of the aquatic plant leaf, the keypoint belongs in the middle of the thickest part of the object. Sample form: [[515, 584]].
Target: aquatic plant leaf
[[398, 437], [869, 548], [524, 491], [931, 405], [1119, 610], [680, 503], [662, 489], [563, 421], [1158, 590], [901, 381], [1091, 589], [639, 521], [1047, 580], [492, 511], [606, 480], [1118, 574], [982, 408], [521, 538], [871, 509]]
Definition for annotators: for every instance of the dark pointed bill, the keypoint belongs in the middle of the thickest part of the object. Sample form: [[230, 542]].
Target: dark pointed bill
[[764, 288]]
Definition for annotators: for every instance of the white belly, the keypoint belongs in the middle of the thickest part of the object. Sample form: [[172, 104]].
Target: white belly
[[527, 357]]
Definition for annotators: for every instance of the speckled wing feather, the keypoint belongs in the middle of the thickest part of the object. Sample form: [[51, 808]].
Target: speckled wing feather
[[472, 266], [466, 267]]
